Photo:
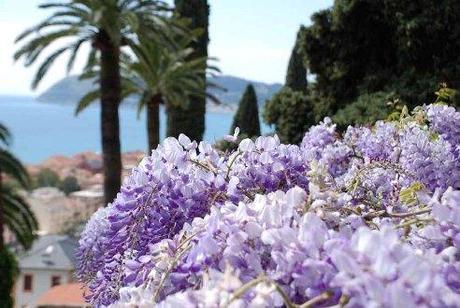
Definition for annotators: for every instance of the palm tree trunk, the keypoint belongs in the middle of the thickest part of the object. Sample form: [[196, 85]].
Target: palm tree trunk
[[153, 122], [2, 220], [110, 86]]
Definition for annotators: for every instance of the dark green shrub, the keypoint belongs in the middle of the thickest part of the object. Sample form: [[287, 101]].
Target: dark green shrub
[[69, 185], [367, 109], [46, 178], [291, 112]]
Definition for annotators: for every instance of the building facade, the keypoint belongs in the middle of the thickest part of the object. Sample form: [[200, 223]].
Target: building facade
[[49, 263]]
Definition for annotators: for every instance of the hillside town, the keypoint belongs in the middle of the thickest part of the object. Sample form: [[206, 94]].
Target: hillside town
[[58, 212], [47, 269]]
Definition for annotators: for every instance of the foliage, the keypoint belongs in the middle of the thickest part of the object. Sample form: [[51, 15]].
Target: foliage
[[13, 168], [15, 214], [87, 22], [368, 217], [5, 136], [105, 27], [18, 216], [367, 109], [46, 178], [69, 184], [14, 210], [291, 112], [190, 118], [296, 76], [446, 95], [161, 75], [160, 70], [361, 47], [9, 270], [247, 115]]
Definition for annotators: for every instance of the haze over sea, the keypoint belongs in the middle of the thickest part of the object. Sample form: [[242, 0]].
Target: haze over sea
[[41, 130]]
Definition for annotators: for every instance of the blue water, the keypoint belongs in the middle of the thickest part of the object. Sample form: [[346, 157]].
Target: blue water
[[41, 130]]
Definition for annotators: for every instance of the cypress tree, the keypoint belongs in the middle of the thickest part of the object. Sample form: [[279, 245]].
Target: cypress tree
[[296, 76], [291, 109], [247, 116], [190, 120]]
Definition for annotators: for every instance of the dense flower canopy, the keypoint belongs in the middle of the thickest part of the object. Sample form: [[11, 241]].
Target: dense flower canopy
[[367, 219]]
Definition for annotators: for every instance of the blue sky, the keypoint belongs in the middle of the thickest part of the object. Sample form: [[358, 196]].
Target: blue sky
[[251, 38]]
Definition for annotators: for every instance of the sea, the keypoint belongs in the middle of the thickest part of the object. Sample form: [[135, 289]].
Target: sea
[[41, 130]]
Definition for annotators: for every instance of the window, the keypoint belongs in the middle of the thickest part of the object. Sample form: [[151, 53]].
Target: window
[[28, 281], [55, 281]]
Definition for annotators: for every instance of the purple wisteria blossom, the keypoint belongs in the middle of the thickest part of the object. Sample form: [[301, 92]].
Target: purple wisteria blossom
[[367, 219]]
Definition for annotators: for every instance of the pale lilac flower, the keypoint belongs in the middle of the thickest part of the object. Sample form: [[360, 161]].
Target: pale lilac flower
[[233, 138]]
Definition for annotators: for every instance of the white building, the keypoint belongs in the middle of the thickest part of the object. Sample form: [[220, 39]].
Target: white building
[[55, 211], [50, 262], [85, 203], [49, 205]]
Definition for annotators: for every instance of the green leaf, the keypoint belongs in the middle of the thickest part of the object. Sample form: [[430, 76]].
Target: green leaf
[[87, 100], [5, 135], [73, 53], [14, 168], [45, 66], [18, 216], [408, 195]]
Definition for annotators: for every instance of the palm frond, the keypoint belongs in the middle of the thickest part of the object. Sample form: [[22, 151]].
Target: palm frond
[[18, 216], [5, 135], [91, 69], [48, 5], [213, 98], [11, 166], [71, 6], [131, 19], [45, 66], [47, 23], [43, 41], [87, 100], [213, 85], [73, 53]]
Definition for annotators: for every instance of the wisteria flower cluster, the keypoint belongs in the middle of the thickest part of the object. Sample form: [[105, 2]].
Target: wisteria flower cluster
[[369, 218]]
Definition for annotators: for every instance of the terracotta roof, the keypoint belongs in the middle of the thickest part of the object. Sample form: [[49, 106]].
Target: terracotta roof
[[68, 295]]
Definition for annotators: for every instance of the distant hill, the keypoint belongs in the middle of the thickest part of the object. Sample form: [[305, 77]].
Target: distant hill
[[69, 90], [235, 87]]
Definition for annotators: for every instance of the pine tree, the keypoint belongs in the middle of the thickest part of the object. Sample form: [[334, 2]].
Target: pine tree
[[190, 120], [296, 76], [247, 116]]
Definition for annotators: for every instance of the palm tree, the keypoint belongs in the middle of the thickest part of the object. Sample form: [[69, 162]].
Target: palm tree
[[105, 25], [160, 74], [164, 76], [14, 210]]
